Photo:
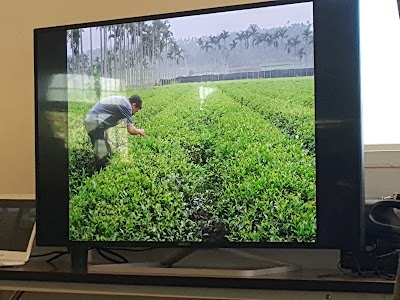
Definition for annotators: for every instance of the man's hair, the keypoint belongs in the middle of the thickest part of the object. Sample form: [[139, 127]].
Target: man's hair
[[136, 99]]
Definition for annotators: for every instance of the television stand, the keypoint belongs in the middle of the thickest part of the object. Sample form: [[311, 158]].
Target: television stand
[[218, 262]]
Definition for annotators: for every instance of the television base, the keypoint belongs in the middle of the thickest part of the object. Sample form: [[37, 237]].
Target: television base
[[79, 258], [202, 262]]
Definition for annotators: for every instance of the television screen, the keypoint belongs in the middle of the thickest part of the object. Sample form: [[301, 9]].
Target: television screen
[[197, 128]]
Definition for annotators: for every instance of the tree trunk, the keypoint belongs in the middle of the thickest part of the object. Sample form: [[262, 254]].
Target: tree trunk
[[82, 63], [91, 50], [101, 53], [153, 75], [135, 63], [128, 59], [141, 55], [120, 61], [105, 53]]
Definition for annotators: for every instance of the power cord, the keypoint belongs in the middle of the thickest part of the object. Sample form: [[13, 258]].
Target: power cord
[[17, 295], [131, 249], [103, 252], [57, 255], [376, 268], [48, 253]]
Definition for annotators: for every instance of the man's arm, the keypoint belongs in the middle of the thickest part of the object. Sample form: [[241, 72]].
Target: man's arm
[[135, 131]]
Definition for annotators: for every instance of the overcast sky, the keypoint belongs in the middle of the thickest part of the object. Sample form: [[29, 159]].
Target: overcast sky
[[204, 25], [267, 17]]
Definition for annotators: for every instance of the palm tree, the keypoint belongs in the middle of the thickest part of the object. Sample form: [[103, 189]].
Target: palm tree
[[311, 47], [263, 40], [70, 65], [179, 55], [240, 37], [145, 47], [132, 57], [200, 42], [107, 72], [301, 54], [275, 41], [307, 33], [81, 59], [233, 45], [289, 45], [311, 40], [296, 41], [214, 41], [86, 64], [91, 49], [307, 36], [224, 35], [153, 29], [163, 33], [207, 46], [247, 35], [102, 59], [97, 64], [141, 54], [125, 54], [253, 30], [74, 36], [171, 55], [225, 53], [259, 39], [282, 34], [116, 33], [166, 38]]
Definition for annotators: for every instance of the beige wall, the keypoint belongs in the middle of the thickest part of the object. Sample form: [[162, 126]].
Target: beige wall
[[18, 19]]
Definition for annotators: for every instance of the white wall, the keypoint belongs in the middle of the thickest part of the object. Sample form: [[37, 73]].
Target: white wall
[[380, 67]]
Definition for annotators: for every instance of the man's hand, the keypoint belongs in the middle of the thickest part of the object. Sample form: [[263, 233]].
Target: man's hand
[[141, 132], [134, 131]]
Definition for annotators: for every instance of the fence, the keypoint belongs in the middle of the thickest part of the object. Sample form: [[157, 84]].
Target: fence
[[245, 75]]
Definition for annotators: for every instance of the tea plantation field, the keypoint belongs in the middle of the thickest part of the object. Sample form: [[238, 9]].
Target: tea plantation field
[[238, 166]]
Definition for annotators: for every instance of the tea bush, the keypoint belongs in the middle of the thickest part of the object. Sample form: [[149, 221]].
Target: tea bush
[[225, 172], [286, 103]]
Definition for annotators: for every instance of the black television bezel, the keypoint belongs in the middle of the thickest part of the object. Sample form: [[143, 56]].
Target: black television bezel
[[339, 146]]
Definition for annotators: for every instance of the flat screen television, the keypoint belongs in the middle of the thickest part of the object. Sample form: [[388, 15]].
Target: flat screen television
[[236, 126]]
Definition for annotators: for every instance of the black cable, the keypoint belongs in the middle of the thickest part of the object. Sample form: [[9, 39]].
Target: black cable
[[57, 256], [342, 273], [123, 259], [48, 253], [387, 254], [376, 261], [361, 272], [132, 250], [339, 266], [17, 295], [101, 250], [381, 274]]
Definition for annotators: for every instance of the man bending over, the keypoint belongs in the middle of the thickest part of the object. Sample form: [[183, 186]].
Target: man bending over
[[108, 113]]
